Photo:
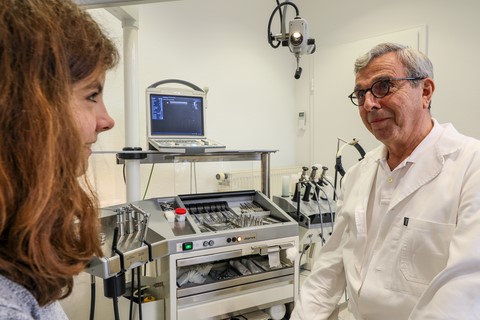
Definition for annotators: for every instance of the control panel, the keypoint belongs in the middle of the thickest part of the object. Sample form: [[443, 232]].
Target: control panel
[[216, 242]]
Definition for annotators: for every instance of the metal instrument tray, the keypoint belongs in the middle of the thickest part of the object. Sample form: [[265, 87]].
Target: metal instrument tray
[[223, 275]]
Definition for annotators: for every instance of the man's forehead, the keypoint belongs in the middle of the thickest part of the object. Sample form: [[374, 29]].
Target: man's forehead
[[382, 67]]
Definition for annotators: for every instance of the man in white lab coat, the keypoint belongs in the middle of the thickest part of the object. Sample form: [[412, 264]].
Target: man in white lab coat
[[406, 243]]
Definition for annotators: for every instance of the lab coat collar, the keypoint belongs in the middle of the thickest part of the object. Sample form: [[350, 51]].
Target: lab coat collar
[[425, 168], [429, 164]]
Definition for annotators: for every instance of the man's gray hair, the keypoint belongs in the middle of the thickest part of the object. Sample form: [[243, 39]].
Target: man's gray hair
[[416, 63]]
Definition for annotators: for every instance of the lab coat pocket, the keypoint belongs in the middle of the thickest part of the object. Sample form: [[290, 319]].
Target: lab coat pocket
[[423, 254]]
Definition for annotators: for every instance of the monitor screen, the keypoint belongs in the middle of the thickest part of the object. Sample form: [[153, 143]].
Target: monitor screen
[[176, 115]]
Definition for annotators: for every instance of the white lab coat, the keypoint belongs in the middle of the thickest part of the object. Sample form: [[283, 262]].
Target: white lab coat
[[426, 268]]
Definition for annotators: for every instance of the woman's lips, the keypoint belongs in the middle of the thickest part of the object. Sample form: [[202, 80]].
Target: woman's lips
[[88, 149]]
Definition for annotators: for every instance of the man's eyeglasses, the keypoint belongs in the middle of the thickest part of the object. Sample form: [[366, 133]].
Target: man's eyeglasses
[[379, 89]]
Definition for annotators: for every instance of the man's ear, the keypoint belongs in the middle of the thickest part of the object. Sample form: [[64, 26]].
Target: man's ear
[[428, 89]]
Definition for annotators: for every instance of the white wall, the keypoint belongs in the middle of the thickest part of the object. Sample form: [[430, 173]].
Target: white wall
[[453, 30], [219, 44], [222, 45]]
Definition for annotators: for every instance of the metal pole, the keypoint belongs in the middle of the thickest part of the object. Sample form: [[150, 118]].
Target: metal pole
[[132, 138], [265, 177]]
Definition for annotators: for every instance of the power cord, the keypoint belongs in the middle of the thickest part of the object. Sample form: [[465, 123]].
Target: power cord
[[148, 182]]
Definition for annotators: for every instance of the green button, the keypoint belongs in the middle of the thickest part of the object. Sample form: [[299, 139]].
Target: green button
[[187, 246]]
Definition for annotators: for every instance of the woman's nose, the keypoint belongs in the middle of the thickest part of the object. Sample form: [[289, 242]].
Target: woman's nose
[[104, 121]]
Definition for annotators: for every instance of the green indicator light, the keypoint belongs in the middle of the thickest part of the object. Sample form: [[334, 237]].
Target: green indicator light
[[187, 246]]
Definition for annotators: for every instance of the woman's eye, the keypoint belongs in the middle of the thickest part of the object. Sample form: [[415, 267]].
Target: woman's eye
[[93, 97]]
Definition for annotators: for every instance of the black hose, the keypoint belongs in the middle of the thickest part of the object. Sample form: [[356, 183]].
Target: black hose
[[269, 33], [115, 301], [92, 297], [139, 276], [131, 294]]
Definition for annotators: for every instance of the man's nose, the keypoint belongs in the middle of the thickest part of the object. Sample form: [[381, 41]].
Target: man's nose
[[371, 101]]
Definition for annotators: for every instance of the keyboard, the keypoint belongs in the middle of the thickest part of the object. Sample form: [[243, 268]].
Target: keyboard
[[190, 146], [186, 142]]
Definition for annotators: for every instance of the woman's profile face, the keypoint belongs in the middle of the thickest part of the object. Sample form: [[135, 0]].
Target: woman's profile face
[[90, 112]]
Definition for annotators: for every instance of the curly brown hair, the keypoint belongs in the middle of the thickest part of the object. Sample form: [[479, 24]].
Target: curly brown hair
[[48, 218]]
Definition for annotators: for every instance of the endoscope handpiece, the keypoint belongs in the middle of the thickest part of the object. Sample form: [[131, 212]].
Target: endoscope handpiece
[[303, 177], [313, 173], [146, 220], [298, 186], [321, 181]]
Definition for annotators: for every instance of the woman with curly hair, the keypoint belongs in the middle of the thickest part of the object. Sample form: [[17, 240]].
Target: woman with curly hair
[[53, 60]]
